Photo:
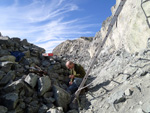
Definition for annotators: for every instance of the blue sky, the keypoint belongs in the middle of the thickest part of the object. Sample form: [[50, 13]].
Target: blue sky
[[47, 23]]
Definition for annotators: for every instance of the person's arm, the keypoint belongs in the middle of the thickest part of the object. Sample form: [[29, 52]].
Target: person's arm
[[77, 75]]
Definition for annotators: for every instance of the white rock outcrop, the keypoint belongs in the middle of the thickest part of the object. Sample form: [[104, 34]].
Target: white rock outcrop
[[131, 30]]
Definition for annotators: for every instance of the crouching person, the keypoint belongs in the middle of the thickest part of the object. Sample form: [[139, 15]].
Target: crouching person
[[77, 73]]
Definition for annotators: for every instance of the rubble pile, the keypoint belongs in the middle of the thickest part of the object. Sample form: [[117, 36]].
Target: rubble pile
[[29, 82]]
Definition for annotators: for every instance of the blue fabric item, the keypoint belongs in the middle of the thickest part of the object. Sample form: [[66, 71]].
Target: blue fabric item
[[76, 83], [72, 88], [18, 55]]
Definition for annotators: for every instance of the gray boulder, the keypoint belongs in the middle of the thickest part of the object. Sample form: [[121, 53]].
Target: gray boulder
[[16, 39], [35, 60], [53, 75], [72, 111], [28, 99], [27, 54], [32, 109], [14, 86], [3, 109], [2, 74], [49, 100], [43, 109], [28, 91], [4, 52], [22, 105], [45, 63], [61, 96], [24, 42], [10, 76], [31, 79], [6, 66], [19, 68], [4, 41], [16, 110], [54, 110], [34, 103], [8, 58], [10, 100], [48, 94], [44, 84], [57, 66]]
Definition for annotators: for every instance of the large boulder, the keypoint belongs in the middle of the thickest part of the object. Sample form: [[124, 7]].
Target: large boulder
[[10, 76], [31, 79], [24, 42], [3, 109], [6, 66], [28, 91], [4, 41], [10, 100], [2, 74], [45, 63], [44, 84], [43, 109], [8, 58], [4, 52], [14, 86], [55, 110], [61, 96]]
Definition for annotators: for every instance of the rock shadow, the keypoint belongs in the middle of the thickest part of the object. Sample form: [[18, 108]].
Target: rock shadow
[[101, 85]]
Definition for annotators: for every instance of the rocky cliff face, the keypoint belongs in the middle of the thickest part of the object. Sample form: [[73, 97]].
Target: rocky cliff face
[[131, 30], [75, 50]]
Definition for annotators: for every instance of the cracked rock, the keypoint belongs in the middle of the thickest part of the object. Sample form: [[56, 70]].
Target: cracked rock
[[31, 79], [44, 84]]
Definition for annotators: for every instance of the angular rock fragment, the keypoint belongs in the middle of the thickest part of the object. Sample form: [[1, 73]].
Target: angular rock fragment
[[128, 92], [61, 96], [44, 84], [2, 74], [14, 86], [3, 109], [31, 79], [28, 91], [54, 110], [6, 66], [10, 76], [48, 94], [43, 109], [4, 52], [45, 63], [32, 109], [8, 58], [10, 100]]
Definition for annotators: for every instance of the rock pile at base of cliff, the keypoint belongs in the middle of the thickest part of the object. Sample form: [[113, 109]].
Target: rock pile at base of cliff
[[29, 82]]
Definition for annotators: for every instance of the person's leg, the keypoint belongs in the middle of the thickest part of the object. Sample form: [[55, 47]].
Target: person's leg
[[78, 81], [72, 88]]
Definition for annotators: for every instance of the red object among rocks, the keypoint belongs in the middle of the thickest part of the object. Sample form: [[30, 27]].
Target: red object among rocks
[[47, 54]]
